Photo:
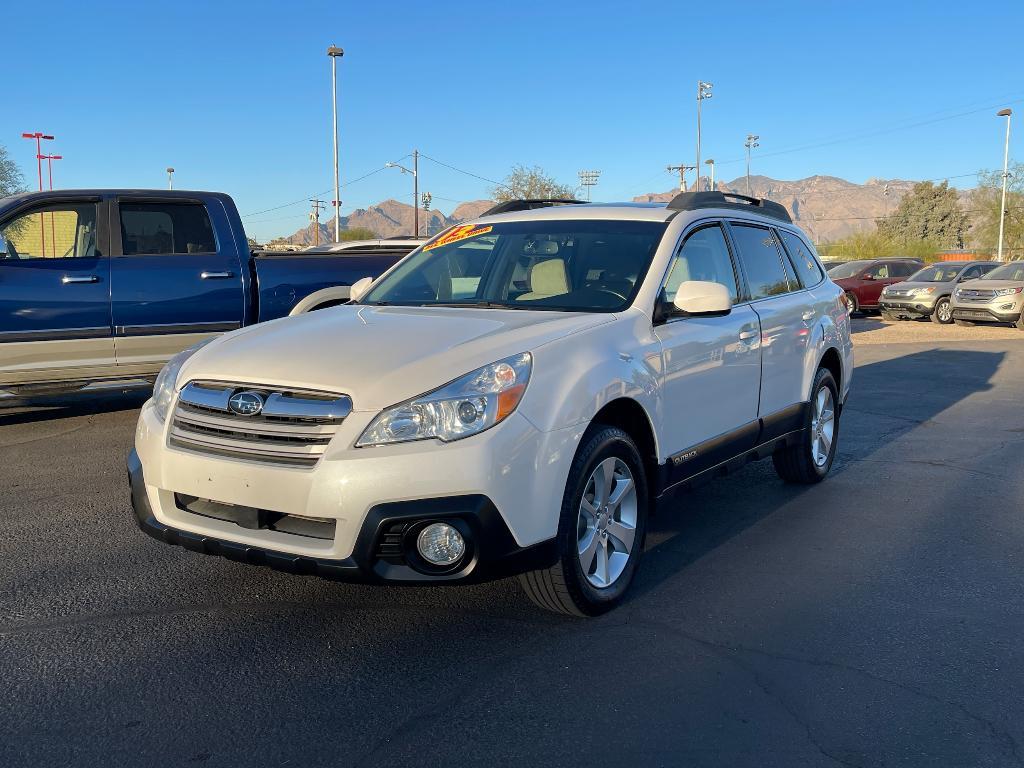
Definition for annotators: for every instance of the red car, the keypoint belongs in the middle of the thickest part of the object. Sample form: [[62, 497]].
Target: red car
[[864, 280]]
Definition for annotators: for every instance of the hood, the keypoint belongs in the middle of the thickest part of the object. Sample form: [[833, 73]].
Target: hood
[[990, 285], [907, 285], [379, 355]]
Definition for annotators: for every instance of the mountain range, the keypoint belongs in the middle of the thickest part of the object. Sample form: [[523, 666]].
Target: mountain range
[[826, 207]]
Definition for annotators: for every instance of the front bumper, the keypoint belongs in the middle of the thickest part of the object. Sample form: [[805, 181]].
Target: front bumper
[[908, 307], [382, 551], [983, 314]]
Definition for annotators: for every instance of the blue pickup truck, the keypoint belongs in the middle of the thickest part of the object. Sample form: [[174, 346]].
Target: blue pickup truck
[[100, 285]]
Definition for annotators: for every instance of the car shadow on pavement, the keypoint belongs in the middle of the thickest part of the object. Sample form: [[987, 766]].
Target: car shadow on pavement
[[905, 393], [30, 410], [862, 323]]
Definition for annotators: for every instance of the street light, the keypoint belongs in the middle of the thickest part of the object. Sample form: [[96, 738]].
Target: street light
[[711, 162], [415, 188], [703, 92], [170, 177], [39, 137], [336, 53], [1006, 158], [750, 143]]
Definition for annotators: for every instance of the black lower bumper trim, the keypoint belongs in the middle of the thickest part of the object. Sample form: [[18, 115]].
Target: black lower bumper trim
[[492, 552], [984, 316]]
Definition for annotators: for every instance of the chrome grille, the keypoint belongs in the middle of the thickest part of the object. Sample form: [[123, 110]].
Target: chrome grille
[[976, 294], [293, 427]]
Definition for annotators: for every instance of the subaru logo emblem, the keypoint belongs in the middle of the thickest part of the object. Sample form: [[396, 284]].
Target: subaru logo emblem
[[246, 403]]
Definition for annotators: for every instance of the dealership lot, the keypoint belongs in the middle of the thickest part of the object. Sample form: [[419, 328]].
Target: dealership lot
[[873, 619]]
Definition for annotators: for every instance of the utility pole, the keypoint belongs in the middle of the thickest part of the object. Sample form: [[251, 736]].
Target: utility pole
[[1006, 159], [711, 162], [588, 179], [40, 137], [415, 187], [49, 169], [703, 92], [170, 177], [314, 217], [335, 53], [681, 169], [750, 143]]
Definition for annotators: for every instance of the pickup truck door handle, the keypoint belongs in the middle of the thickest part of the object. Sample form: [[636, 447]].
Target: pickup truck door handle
[[747, 334], [70, 279], [216, 275], [807, 316]]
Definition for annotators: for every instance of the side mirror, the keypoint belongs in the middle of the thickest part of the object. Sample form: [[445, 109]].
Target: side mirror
[[867, 276], [359, 288], [699, 298]]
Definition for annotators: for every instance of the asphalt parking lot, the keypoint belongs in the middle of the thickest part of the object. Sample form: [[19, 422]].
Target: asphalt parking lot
[[875, 619]]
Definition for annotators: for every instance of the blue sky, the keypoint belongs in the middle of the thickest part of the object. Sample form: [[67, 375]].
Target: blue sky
[[236, 96]]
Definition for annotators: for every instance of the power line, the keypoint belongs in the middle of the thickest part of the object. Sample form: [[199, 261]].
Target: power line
[[324, 192], [459, 170]]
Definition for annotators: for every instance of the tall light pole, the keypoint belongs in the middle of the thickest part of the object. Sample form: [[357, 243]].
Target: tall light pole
[[336, 53], [703, 92], [415, 188], [1006, 159], [170, 177], [49, 170], [39, 137], [710, 162], [750, 143]]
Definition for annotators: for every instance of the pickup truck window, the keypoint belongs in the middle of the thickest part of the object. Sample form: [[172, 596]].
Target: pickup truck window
[[166, 228], [62, 230], [567, 266]]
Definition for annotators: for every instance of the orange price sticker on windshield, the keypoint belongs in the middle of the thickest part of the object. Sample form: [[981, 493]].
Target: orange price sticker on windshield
[[456, 234]]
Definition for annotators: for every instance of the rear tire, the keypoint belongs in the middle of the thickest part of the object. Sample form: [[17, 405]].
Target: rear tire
[[810, 459], [965, 323], [943, 313], [602, 523]]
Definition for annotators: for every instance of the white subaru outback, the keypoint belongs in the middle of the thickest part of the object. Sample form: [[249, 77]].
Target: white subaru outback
[[511, 398]]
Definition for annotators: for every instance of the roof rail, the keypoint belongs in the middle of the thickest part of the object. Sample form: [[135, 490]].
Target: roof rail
[[688, 201], [530, 204]]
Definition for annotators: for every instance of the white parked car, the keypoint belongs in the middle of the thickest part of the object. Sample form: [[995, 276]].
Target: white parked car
[[511, 398]]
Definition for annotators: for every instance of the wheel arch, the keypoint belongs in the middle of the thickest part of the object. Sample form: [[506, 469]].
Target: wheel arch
[[332, 296], [833, 362], [632, 418]]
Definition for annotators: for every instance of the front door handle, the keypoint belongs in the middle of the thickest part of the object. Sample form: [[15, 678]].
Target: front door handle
[[216, 275], [70, 279], [807, 316], [748, 335]]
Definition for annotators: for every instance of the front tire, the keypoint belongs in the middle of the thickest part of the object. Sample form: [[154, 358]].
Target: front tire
[[943, 312], [810, 459], [852, 303], [601, 528]]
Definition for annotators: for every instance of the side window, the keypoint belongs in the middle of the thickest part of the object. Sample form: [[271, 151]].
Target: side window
[[761, 261], [165, 228], [704, 256], [803, 259], [903, 268], [986, 268], [59, 231], [971, 273], [880, 271]]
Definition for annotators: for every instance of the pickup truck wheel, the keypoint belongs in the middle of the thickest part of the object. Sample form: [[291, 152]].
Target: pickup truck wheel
[[810, 459], [601, 528], [943, 314]]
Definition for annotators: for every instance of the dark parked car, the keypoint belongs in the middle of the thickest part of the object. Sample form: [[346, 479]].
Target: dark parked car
[[101, 285], [863, 280]]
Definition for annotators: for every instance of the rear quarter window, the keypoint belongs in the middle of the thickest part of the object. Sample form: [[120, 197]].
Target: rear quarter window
[[803, 258]]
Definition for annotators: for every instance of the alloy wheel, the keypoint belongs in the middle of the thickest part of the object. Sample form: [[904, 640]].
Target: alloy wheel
[[606, 525], [823, 426], [944, 311]]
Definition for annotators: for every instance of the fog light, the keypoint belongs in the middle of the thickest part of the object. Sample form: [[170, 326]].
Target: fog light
[[440, 544]]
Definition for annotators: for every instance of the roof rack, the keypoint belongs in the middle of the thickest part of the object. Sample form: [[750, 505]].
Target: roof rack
[[688, 201], [530, 204]]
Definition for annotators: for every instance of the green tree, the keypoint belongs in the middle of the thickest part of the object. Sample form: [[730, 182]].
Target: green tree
[[11, 180], [530, 183], [876, 245], [358, 233], [986, 199], [929, 212]]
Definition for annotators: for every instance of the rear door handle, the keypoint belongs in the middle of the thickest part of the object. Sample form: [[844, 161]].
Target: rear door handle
[[215, 275], [70, 279]]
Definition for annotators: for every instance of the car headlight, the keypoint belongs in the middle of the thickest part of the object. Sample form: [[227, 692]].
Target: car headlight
[[923, 291], [1008, 291], [466, 406], [958, 293], [163, 390]]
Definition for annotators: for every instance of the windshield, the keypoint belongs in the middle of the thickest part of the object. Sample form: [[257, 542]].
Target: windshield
[[937, 274], [849, 269], [1012, 271], [569, 266]]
